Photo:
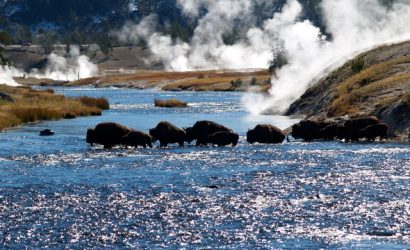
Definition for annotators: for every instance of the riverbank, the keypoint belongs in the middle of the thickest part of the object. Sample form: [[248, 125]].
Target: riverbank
[[376, 82], [19, 105], [213, 80]]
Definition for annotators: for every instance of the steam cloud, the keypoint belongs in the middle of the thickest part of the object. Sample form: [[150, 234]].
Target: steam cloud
[[355, 25], [7, 74], [72, 67], [60, 67]]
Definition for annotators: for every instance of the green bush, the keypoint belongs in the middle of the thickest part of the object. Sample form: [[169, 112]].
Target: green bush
[[253, 81], [357, 64], [237, 83]]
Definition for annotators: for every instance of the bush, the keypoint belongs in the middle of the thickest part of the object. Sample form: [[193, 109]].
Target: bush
[[357, 64], [253, 81], [237, 83], [280, 59]]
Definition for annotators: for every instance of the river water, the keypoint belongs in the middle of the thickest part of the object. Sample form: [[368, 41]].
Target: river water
[[59, 192]]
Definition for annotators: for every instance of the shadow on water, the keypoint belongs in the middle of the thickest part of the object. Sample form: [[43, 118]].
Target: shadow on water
[[59, 192]]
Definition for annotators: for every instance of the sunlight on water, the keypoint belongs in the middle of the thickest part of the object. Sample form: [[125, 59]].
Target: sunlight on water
[[59, 192]]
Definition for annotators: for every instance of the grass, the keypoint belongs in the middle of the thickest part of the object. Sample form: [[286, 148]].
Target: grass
[[363, 85], [100, 103], [171, 103], [191, 80], [34, 105]]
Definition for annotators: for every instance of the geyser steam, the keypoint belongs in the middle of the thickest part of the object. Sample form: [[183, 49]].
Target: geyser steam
[[72, 67], [355, 25], [61, 67]]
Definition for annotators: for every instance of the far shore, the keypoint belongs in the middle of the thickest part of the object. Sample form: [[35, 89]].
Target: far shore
[[213, 80]]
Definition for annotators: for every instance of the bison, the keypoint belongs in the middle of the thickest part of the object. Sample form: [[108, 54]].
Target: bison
[[333, 131], [309, 130], [108, 134], [166, 133], [137, 138], [265, 134], [201, 130], [373, 131], [223, 138], [354, 125]]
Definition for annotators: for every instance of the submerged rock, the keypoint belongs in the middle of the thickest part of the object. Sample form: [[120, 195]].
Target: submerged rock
[[47, 132]]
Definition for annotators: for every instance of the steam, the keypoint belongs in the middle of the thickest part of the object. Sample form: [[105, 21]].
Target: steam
[[72, 67], [355, 26], [60, 66], [7, 74], [207, 49]]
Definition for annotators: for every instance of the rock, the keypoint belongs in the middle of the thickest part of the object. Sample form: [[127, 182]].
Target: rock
[[6, 97], [47, 132]]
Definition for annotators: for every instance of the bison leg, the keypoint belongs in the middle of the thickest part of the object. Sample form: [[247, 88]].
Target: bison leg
[[181, 143]]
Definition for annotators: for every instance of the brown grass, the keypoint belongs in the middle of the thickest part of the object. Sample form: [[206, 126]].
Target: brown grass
[[100, 103], [33, 105], [171, 103], [375, 78], [205, 80]]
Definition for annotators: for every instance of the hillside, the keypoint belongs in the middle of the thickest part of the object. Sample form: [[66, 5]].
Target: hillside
[[126, 58], [381, 88]]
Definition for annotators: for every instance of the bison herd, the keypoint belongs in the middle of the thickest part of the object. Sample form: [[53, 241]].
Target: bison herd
[[211, 133], [367, 128]]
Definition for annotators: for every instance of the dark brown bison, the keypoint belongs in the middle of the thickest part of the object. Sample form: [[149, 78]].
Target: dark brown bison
[[333, 131], [108, 134], [373, 131], [137, 138], [166, 132], [201, 130], [223, 138], [309, 130], [354, 125], [265, 134]]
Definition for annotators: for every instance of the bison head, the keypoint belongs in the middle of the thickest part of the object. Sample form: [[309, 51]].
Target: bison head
[[189, 136], [153, 133], [90, 136]]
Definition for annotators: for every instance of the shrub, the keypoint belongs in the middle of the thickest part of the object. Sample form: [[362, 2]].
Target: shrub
[[253, 81], [237, 83], [280, 59], [357, 64], [171, 103]]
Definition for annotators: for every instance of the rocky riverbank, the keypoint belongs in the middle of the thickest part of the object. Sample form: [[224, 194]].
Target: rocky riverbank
[[376, 83]]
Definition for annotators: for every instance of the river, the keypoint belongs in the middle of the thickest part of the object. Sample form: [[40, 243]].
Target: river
[[60, 192]]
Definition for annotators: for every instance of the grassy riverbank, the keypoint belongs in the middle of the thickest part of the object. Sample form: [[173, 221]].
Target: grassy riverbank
[[25, 104]]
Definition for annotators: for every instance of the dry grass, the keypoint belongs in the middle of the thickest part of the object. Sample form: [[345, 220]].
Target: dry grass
[[360, 87], [192, 80], [34, 105], [171, 103], [100, 103]]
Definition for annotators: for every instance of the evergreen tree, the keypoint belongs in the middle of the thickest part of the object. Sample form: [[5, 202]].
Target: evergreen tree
[[4, 38]]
